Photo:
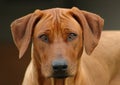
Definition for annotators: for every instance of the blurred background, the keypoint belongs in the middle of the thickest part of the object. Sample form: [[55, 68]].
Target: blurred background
[[12, 68]]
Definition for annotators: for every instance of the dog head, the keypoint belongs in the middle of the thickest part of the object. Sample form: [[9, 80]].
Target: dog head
[[58, 37]]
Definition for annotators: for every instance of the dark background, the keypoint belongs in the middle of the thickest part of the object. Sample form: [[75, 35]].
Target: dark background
[[11, 67]]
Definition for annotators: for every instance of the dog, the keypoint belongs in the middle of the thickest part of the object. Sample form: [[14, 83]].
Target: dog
[[67, 48]]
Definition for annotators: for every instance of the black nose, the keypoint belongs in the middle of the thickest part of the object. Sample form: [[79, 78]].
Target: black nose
[[59, 65]]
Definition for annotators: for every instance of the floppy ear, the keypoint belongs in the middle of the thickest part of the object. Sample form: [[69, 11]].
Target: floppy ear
[[92, 25], [22, 30]]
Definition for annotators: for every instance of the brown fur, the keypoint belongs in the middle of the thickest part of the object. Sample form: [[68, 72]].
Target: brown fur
[[98, 67]]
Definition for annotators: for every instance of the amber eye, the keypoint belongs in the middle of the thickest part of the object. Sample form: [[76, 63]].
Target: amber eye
[[71, 36], [44, 38]]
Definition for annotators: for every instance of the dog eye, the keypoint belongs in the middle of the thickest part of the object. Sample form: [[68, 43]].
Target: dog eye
[[71, 36], [44, 38]]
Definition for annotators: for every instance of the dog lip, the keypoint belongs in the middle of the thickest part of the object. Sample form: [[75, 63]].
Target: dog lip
[[60, 76]]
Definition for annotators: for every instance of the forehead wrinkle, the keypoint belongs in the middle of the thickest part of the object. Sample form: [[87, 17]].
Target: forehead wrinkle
[[55, 22], [43, 25], [61, 15], [70, 24], [49, 23], [62, 22]]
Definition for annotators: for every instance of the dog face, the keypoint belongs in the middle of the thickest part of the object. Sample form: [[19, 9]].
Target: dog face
[[58, 36], [58, 44]]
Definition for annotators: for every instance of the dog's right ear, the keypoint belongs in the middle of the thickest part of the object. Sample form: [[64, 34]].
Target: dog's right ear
[[22, 29]]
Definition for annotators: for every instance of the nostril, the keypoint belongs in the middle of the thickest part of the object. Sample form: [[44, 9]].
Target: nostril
[[55, 67], [59, 65], [64, 67]]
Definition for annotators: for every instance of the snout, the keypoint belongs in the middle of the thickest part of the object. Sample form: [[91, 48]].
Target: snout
[[60, 68]]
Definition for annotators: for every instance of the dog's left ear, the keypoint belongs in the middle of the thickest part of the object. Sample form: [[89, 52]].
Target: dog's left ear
[[92, 25], [22, 30]]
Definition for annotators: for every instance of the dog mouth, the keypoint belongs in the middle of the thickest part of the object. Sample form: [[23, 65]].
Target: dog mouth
[[60, 75]]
